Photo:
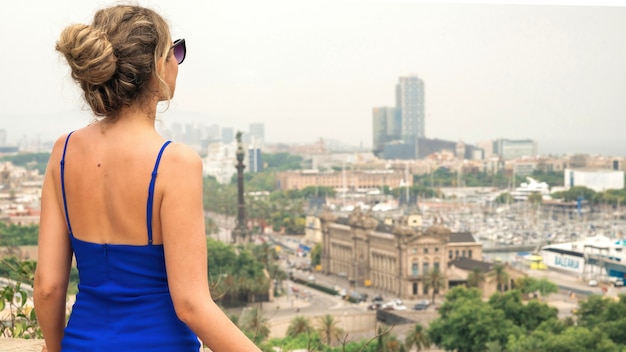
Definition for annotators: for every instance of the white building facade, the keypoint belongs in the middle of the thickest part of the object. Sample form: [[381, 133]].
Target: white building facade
[[599, 180]]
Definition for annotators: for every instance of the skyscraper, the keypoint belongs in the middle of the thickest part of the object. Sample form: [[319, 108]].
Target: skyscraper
[[387, 127], [228, 135], [257, 134], [410, 102], [396, 131]]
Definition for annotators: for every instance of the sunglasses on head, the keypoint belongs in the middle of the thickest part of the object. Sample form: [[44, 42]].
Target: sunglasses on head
[[180, 50]]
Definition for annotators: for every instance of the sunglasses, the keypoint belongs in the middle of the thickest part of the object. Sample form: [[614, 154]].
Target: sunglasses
[[180, 50]]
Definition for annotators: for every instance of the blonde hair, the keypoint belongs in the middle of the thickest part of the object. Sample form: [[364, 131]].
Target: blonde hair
[[114, 59]]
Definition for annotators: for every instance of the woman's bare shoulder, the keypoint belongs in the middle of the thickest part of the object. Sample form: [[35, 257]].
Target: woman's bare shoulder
[[180, 157]]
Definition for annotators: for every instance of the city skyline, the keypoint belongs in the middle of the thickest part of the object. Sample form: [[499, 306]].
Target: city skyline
[[550, 71]]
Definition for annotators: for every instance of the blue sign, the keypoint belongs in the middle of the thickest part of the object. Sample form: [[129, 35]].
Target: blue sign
[[566, 262]]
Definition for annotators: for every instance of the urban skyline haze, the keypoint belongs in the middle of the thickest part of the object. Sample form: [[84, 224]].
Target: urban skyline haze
[[552, 71]]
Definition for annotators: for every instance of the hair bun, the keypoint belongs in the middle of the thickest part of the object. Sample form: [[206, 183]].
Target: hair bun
[[89, 53]]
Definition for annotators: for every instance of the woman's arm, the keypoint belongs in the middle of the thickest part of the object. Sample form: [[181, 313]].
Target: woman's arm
[[184, 240], [54, 258]]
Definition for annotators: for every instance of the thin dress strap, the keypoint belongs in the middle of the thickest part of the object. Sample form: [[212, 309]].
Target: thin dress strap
[[67, 216], [151, 192]]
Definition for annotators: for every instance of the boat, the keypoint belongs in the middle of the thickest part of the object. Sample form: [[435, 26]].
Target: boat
[[525, 189]]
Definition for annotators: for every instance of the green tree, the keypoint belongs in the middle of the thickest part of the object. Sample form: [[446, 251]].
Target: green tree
[[21, 319], [475, 278], [504, 198], [527, 316], [18, 235], [318, 191], [500, 276], [316, 254], [299, 325], [469, 326], [260, 181], [417, 337], [30, 161], [602, 313], [281, 161], [530, 285], [435, 281], [255, 325], [574, 193], [329, 330]]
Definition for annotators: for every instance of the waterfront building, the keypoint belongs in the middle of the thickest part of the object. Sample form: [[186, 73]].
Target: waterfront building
[[599, 180], [351, 180], [460, 268], [395, 258]]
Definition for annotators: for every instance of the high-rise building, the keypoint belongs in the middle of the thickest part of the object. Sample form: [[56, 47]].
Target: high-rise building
[[257, 134], [255, 161], [396, 131], [410, 102], [214, 133], [228, 135], [387, 127], [509, 149]]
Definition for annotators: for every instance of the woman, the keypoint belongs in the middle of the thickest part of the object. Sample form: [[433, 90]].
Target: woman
[[139, 239]]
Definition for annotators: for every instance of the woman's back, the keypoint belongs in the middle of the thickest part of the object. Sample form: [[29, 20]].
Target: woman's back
[[107, 174], [123, 303]]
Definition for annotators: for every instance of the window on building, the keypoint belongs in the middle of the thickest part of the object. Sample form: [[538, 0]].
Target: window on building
[[456, 253], [449, 254], [425, 268], [436, 249], [415, 288], [425, 250], [414, 250], [414, 269], [463, 253], [436, 266], [425, 290], [469, 254]]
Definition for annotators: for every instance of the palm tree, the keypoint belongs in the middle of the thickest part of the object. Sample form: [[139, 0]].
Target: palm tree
[[392, 344], [435, 280], [500, 275], [328, 329], [475, 278], [298, 325], [417, 337], [256, 324]]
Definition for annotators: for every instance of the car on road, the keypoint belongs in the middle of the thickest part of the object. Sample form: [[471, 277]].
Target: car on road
[[617, 281], [396, 304], [422, 305], [593, 283], [378, 298], [374, 306]]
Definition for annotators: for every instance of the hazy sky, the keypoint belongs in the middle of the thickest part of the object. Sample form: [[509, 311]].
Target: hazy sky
[[553, 71]]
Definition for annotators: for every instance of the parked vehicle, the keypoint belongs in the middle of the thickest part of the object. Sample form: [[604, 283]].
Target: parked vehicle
[[422, 305], [374, 306], [378, 298], [396, 304]]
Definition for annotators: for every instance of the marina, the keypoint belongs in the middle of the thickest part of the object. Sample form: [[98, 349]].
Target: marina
[[579, 240]]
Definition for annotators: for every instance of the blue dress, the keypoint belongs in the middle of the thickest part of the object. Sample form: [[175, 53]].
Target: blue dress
[[123, 301]]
